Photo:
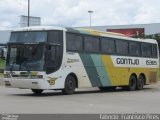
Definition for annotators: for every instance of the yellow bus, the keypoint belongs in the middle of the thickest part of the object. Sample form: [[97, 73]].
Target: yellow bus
[[58, 58]]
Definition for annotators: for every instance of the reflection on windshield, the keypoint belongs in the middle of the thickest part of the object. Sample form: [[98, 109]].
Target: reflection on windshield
[[28, 37], [25, 57]]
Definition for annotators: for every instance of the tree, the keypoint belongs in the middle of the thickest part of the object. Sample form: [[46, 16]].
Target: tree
[[153, 36]]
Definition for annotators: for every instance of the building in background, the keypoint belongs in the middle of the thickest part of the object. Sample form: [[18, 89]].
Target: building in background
[[131, 30], [33, 21]]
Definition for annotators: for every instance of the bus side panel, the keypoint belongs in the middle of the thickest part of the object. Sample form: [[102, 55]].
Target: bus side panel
[[102, 71], [119, 76], [95, 69], [75, 65]]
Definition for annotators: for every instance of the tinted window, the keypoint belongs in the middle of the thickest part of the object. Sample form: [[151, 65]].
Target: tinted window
[[122, 47], [70, 41], [74, 42], [107, 45], [146, 49], [134, 48], [53, 36], [91, 44], [78, 43], [54, 51], [154, 51]]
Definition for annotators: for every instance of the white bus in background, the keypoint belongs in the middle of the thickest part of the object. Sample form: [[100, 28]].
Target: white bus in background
[[58, 58], [4, 38]]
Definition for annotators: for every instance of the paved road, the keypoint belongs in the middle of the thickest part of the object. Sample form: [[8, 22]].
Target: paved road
[[84, 101]]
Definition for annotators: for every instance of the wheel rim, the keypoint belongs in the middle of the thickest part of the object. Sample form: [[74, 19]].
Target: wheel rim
[[70, 84], [132, 82], [141, 82]]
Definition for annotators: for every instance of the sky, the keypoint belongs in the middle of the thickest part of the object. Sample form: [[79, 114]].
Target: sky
[[74, 13]]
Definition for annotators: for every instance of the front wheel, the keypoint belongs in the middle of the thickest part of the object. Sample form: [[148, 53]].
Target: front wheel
[[70, 85], [36, 91]]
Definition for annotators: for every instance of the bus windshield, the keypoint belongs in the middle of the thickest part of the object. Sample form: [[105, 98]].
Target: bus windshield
[[35, 51], [25, 57], [28, 37]]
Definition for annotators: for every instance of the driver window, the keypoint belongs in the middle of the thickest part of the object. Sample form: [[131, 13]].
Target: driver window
[[54, 51]]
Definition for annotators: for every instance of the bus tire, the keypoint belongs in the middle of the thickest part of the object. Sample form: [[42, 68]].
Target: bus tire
[[140, 82], [107, 88], [70, 85], [132, 83], [36, 91]]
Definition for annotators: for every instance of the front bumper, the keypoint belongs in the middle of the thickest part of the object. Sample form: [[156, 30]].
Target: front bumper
[[27, 83]]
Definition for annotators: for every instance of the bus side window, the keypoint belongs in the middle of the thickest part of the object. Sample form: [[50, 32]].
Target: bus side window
[[122, 47], [74, 42], [154, 51], [146, 49], [91, 44], [107, 45], [70, 42], [134, 48], [78, 43]]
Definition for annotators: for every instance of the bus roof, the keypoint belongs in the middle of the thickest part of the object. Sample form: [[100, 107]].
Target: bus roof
[[108, 34], [84, 31], [38, 28]]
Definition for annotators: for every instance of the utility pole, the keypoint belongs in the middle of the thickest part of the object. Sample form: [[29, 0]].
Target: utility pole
[[90, 12], [28, 12]]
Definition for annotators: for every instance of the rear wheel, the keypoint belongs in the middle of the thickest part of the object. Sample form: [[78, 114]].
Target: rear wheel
[[140, 82], [36, 91], [70, 85], [132, 83]]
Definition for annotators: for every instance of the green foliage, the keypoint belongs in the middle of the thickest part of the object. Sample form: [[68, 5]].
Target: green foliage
[[153, 36], [2, 63]]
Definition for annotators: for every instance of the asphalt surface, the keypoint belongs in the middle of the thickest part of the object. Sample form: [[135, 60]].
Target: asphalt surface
[[89, 100]]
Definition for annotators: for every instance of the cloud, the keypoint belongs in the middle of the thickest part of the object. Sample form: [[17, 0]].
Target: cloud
[[5, 25], [75, 12], [148, 12]]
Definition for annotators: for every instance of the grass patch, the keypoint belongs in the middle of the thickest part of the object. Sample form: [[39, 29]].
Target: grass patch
[[2, 63]]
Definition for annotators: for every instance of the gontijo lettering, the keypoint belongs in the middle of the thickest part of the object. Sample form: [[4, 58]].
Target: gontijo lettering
[[127, 61]]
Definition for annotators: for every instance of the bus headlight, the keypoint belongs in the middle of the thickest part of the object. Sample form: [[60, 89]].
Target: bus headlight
[[36, 76]]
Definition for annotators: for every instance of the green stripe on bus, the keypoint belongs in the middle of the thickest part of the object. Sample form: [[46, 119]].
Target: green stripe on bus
[[90, 69], [101, 70]]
